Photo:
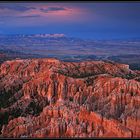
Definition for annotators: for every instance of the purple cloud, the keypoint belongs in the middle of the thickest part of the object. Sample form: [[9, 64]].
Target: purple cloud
[[16, 7], [29, 16], [50, 9]]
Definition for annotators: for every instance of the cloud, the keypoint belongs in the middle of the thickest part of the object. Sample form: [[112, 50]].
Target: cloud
[[16, 7], [52, 9], [29, 16], [26, 8]]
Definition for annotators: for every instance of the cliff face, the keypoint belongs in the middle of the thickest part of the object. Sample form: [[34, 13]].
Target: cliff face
[[51, 98]]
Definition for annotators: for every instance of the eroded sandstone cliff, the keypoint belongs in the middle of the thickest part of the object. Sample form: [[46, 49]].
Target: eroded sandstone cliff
[[52, 98]]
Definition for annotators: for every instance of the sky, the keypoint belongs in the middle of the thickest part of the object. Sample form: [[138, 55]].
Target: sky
[[83, 20]]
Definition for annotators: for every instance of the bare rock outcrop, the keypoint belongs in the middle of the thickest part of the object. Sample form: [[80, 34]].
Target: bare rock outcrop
[[52, 98]]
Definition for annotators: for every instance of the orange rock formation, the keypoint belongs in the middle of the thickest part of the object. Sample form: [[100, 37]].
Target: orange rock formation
[[52, 98]]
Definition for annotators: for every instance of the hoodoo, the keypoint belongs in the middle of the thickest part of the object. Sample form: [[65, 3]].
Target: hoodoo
[[52, 98]]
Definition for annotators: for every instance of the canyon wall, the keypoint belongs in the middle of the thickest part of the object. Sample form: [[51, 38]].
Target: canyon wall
[[52, 98]]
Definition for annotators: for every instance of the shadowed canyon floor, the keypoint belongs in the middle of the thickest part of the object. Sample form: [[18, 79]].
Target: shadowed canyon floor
[[52, 98]]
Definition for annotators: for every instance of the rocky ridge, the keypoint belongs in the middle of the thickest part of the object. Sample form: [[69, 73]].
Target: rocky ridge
[[52, 98]]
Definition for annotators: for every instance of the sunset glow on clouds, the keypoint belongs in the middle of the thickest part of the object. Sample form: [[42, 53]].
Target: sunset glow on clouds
[[38, 14], [41, 10], [76, 19]]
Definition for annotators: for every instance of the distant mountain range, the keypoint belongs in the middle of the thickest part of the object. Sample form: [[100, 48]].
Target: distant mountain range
[[68, 48]]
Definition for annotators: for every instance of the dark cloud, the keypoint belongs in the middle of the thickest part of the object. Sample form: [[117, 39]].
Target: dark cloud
[[29, 16], [16, 7], [51, 9]]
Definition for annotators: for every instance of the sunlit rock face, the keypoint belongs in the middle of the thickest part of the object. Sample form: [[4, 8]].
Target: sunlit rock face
[[51, 98]]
